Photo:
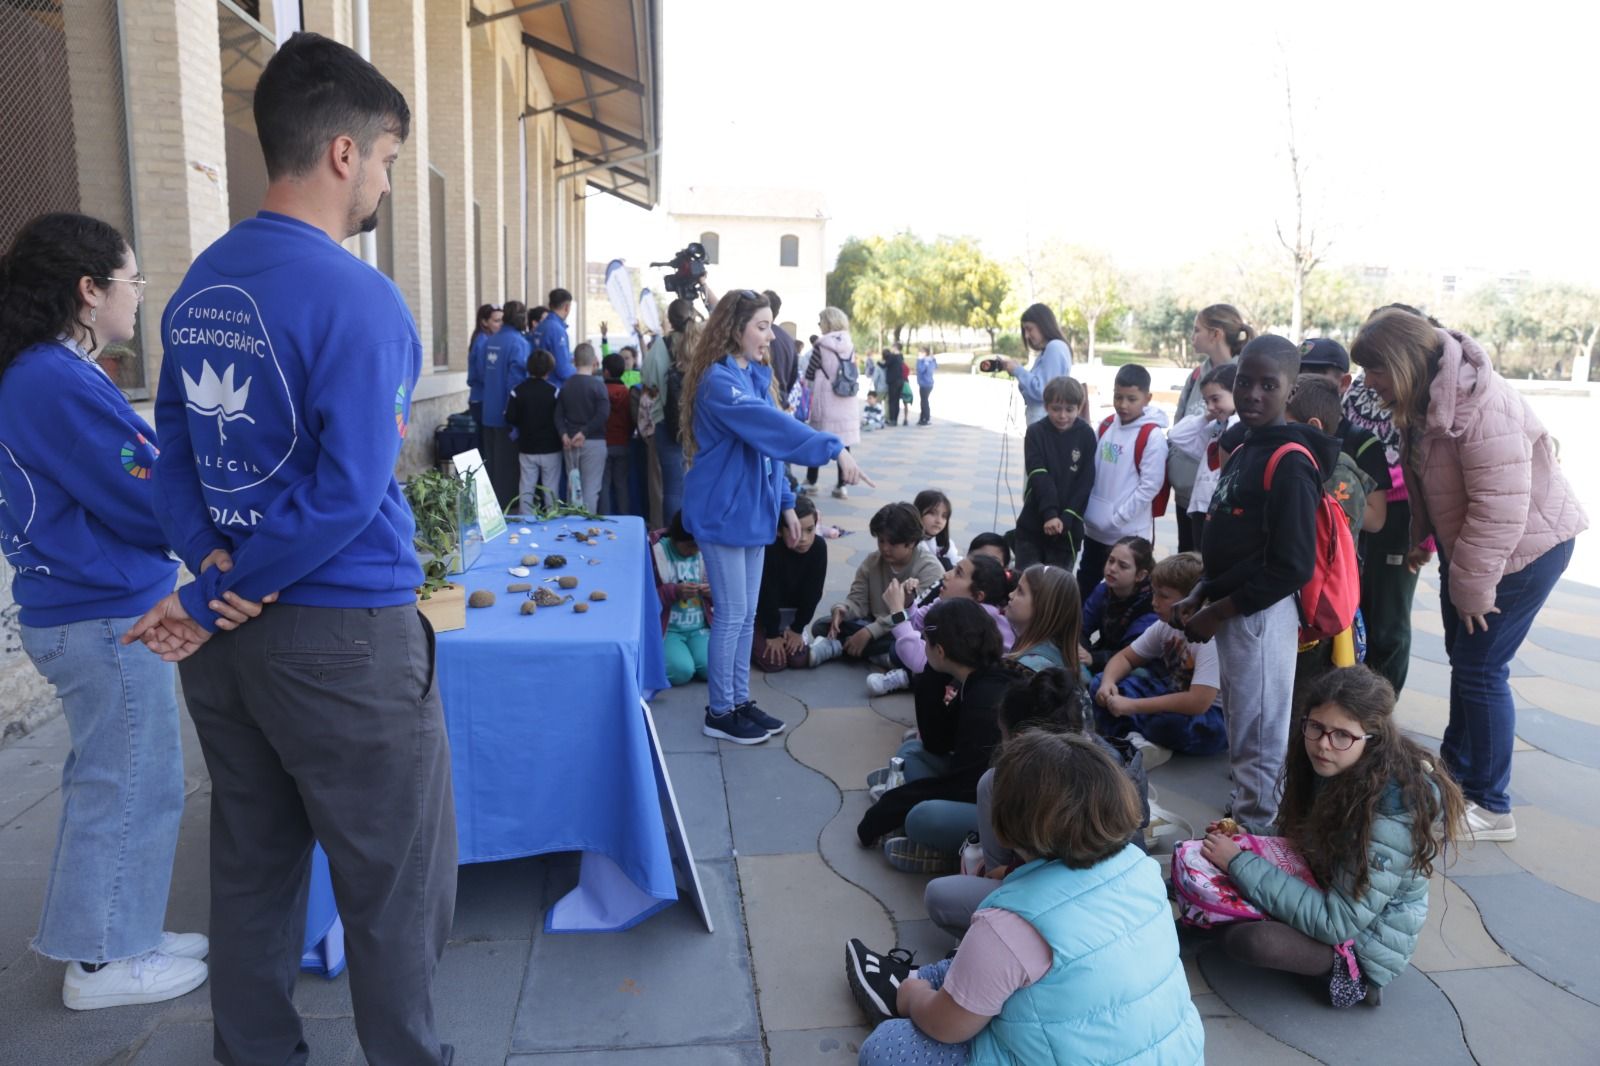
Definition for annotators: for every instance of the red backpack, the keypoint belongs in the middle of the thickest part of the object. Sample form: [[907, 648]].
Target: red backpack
[[1329, 600], [1158, 506]]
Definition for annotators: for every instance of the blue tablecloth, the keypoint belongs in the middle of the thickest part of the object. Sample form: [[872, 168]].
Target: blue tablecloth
[[548, 741]]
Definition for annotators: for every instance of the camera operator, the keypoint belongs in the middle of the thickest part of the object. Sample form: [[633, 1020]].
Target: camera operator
[[1041, 333]]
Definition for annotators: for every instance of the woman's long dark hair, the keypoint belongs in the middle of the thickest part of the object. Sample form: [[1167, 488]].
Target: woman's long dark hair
[[1041, 316], [1332, 826], [39, 277], [481, 326]]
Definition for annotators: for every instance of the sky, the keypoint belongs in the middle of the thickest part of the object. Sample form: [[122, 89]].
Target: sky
[[1435, 137]]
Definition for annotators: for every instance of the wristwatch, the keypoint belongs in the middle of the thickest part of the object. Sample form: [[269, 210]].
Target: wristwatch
[[898, 617]]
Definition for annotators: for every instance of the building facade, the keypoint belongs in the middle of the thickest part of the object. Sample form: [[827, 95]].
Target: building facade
[[139, 112]]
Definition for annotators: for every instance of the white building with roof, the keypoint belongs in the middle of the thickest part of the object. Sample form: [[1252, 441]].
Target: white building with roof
[[759, 239]]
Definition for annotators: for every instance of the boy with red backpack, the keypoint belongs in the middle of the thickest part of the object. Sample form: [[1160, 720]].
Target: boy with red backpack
[[1130, 475], [1260, 549]]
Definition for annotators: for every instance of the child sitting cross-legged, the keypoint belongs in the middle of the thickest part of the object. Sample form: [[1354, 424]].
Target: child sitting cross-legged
[[685, 601], [1121, 605], [1072, 958], [979, 578], [1161, 692], [859, 628], [1370, 811]]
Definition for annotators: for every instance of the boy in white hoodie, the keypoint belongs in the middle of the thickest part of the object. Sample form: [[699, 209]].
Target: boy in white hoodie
[[1130, 473]]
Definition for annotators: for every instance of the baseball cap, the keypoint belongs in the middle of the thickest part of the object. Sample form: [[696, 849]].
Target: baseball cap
[[1321, 352]]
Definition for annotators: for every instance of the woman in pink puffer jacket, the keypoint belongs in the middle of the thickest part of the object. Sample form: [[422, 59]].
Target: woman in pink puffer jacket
[[831, 413], [1485, 483]]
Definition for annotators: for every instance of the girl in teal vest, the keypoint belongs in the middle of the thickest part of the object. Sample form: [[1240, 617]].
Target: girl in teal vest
[[1370, 810], [1072, 959]]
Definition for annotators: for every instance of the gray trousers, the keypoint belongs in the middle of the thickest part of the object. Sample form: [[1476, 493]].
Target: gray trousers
[[536, 470], [590, 462], [951, 901], [1256, 654], [325, 722]]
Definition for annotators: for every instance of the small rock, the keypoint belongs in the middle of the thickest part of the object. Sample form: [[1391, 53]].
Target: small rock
[[580, 607], [528, 607], [567, 582], [518, 586], [481, 598], [597, 596], [530, 560]]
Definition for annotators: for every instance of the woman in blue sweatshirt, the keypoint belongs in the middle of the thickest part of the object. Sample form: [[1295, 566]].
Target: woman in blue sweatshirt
[[79, 530], [736, 439]]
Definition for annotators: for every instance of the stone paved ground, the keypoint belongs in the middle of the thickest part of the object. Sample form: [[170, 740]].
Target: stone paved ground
[[1506, 972]]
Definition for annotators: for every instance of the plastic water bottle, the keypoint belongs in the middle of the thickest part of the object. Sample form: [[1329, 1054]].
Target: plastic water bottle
[[574, 486], [897, 773]]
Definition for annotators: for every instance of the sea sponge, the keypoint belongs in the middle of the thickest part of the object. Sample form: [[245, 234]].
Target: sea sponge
[[554, 562], [567, 581], [518, 586], [597, 596], [481, 598], [580, 607], [530, 560], [528, 607]]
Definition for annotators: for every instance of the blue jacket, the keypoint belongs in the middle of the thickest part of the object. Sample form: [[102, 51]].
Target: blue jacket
[[283, 401], [551, 336], [77, 506], [505, 366], [475, 368], [1054, 362], [735, 490], [926, 366], [1116, 991]]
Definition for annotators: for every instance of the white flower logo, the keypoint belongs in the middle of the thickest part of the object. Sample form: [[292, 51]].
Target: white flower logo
[[217, 396]]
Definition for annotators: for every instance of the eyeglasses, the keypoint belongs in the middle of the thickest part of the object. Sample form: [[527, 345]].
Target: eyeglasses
[[138, 281], [1341, 740]]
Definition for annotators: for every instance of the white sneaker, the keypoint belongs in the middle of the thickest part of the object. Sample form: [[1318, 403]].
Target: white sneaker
[[841, 493], [1489, 826], [184, 945], [885, 683], [1154, 754], [823, 649], [153, 977]]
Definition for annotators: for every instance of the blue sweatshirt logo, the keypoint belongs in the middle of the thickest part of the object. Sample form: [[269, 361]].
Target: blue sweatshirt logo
[[248, 426], [14, 532]]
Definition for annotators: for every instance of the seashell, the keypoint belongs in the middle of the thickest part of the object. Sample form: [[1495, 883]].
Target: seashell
[[518, 571]]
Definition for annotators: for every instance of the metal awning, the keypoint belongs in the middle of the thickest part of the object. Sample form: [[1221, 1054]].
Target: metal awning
[[602, 60]]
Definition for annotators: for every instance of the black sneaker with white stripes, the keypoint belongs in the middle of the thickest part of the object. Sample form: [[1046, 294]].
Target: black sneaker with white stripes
[[875, 978]]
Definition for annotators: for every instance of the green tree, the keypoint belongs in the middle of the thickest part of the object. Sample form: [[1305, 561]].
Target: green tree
[[1568, 315], [893, 292], [974, 288], [855, 260]]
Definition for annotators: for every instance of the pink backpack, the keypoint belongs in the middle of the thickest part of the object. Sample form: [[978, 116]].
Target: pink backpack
[[1207, 897]]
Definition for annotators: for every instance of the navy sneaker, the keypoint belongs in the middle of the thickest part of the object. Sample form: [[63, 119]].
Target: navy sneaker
[[772, 725], [734, 727]]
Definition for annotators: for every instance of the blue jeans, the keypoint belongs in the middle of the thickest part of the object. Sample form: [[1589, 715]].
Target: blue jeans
[[669, 453], [121, 792], [734, 575], [898, 1041], [1483, 719]]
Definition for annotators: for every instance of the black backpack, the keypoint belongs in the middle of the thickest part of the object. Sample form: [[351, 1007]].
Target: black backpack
[[668, 420]]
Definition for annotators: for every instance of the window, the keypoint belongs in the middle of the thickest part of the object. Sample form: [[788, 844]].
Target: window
[[385, 235], [788, 250], [441, 287], [710, 242]]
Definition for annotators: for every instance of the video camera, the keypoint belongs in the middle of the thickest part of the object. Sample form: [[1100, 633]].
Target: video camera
[[688, 268], [990, 366]]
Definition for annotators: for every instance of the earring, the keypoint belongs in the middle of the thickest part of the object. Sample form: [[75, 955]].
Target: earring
[[91, 314]]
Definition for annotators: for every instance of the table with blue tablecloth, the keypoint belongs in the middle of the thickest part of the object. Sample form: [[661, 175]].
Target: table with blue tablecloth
[[550, 740]]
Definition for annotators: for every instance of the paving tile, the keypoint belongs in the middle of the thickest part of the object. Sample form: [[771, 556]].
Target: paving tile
[[1558, 785], [664, 982], [1555, 849], [1193, 787], [1584, 623], [899, 708], [1553, 933], [833, 684], [498, 900], [866, 868], [181, 1044], [926, 941], [476, 996], [1430, 677], [745, 1054], [816, 1047], [801, 915], [1561, 736], [1429, 646], [679, 714], [1415, 1024], [703, 802], [775, 805], [845, 743], [1469, 858], [1189, 952], [1561, 697], [1507, 1013], [27, 777], [1582, 672], [1230, 1039], [1454, 937]]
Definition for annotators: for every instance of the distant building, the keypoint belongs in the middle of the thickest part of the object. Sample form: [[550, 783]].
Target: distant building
[[760, 239]]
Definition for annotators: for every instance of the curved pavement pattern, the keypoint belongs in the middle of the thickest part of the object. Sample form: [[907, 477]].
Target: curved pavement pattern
[[1506, 971]]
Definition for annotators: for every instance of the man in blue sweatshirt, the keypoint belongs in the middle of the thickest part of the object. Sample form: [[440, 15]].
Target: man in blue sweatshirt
[[551, 336], [283, 400]]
